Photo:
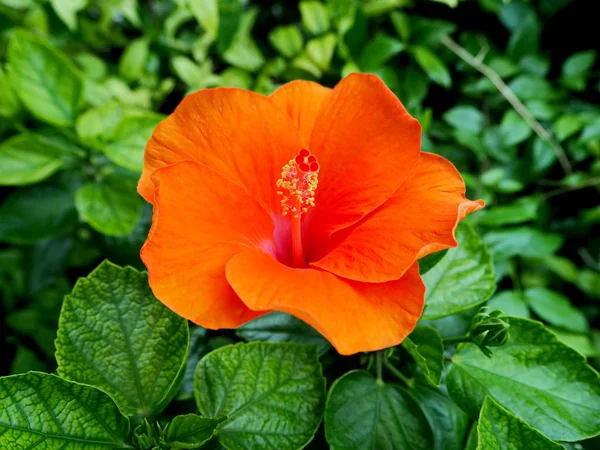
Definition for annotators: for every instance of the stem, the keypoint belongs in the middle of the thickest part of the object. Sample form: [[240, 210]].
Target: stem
[[456, 339], [509, 95], [592, 182], [379, 365], [297, 252], [389, 366]]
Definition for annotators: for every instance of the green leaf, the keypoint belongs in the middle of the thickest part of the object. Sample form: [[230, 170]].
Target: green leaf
[[45, 80], [243, 51], [114, 334], [579, 342], [531, 87], [576, 68], [448, 422], [556, 309], [286, 40], [67, 11], [433, 66], [514, 129], [428, 262], [206, 13], [522, 241], [467, 118], [110, 206], [498, 429], [132, 63], [281, 327], [96, 126], [320, 50], [512, 303], [362, 413], [424, 344], [535, 377], [378, 51], [315, 16], [524, 209], [401, 23], [463, 278], [567, 125], [27, 158], [273, 394], [191, 431], [42, 411], [39, 212], [9, 102], [127, 143]]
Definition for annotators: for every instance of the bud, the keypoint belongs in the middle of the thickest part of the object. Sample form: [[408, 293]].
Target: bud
[[488, 330]]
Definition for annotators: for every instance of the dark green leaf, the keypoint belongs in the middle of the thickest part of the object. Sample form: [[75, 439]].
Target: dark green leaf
[[463, 278], [467, 118], [281, 327], [522, 241], [191, 431], [534, 376], [46, 81], [41, 411], [498, 429], [428, 262], [362, 413], [424, 344], [514, 129], [378, 51], [114, 334], [273, 394], [556, 309], [433, 66]]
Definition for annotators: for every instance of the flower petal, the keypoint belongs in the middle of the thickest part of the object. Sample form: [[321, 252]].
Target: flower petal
[[302, 101], [200, 221], [242, 135], [419, 219], [366, 144], [353, 316]]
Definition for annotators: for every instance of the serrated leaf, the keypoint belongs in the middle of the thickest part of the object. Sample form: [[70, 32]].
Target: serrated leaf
[[498, 429], [535, 377], [273, 394], [281, 327], [45, 79], [27, 158], [191, 431], [424, 344], [114, 334], [126, 145], [448, 422], [110, 206], [364, 414], [42, 411], [464, 278], [35, 213]]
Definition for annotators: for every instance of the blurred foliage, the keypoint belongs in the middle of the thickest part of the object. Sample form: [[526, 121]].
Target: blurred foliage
[[83, 83]]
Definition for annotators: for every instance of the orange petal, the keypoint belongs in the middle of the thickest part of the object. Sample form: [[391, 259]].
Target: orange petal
[[242, 135], [353, 316], [200, 221], [419, 219], [302, 101], [366, 144]]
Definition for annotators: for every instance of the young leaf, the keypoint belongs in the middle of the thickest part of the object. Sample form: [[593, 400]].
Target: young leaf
[[27, 158], [315, 16], [126, 145], [206, 13], [424, 344], [364, 414], [42, 411], [448, 422], [462, 279], [243, 51], [273, 394], [115, 335], [498, 429], [281, 327], [110, 206], [534, 376], [286, 40], [45, 79], [191, 431]]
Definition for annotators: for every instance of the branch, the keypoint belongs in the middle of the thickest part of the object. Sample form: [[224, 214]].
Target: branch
[[509, 95]]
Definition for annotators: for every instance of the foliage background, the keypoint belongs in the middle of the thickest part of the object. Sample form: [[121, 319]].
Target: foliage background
[[83, 83]]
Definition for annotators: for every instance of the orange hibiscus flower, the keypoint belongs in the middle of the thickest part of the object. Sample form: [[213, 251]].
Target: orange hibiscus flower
[[316, 202]]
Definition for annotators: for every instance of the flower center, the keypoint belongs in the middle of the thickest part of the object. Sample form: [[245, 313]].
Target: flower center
[[297, 185]]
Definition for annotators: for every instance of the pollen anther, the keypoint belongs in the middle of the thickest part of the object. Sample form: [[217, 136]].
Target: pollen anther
[[298, 182]]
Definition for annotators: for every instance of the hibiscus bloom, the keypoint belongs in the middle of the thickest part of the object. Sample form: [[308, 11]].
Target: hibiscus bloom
[[312, 201]]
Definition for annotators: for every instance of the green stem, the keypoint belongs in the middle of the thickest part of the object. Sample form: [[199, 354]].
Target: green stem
[[456, 340], [389, 366], [379, 365]]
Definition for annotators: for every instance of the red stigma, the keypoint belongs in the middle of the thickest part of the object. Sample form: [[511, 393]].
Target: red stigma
[[314, 166], [304, 167], [303, 153]]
